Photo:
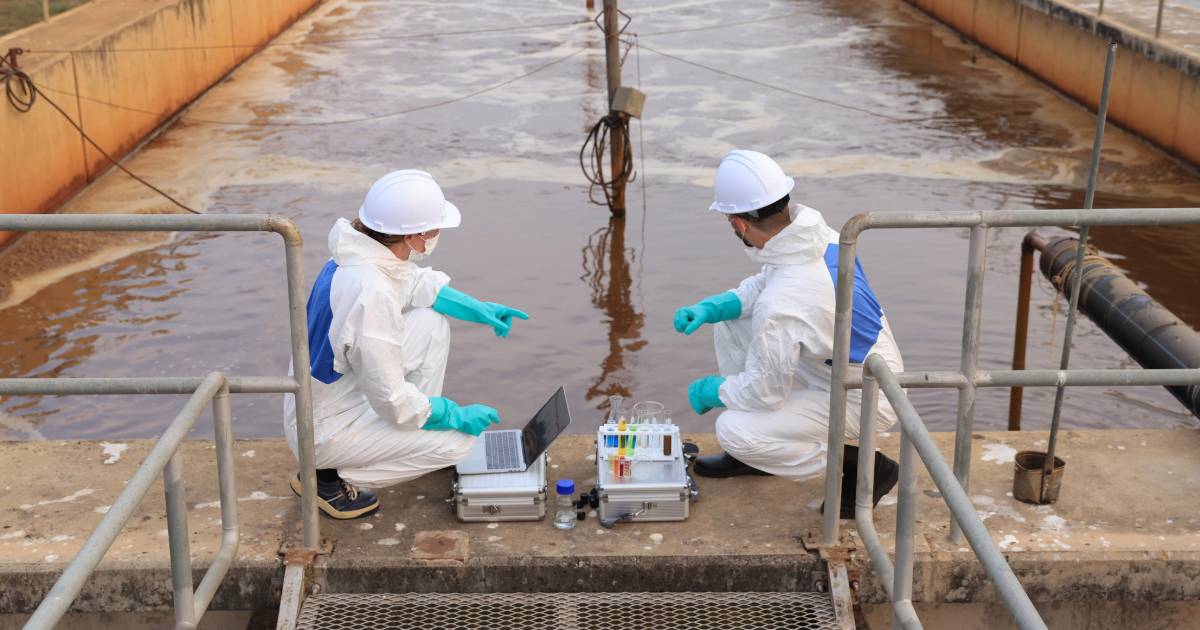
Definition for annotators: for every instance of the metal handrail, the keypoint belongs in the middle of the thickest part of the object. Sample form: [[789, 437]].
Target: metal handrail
[[915, 439], [898, 579], [164, 457], [190, 604], [1158, 16], [966, 378]]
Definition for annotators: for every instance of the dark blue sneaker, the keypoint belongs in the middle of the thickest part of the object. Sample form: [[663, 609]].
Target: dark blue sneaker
[[341, 500]]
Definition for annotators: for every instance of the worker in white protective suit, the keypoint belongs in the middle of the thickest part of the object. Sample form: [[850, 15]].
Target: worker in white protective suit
[[774, 337], [378, 343]]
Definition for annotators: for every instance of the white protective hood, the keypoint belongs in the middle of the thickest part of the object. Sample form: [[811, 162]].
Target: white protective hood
[[368, 294], [791, 304], [803, 241]]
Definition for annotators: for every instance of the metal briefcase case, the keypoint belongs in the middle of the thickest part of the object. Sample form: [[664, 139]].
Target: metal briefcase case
[[657, 488], [514, 496]]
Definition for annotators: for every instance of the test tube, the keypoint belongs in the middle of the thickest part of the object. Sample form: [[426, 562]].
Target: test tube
[[667, 449]]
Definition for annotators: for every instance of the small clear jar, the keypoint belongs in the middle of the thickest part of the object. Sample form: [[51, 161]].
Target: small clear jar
[[564, 515]]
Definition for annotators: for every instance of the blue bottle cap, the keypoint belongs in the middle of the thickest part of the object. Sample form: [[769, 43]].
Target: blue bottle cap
[[565, 486]]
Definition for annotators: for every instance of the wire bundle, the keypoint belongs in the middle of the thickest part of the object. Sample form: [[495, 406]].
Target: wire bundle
[[18, 89], [593, 169]]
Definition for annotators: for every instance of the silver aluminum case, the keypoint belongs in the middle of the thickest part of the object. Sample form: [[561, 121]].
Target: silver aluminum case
[[495, 497], [665, 498]]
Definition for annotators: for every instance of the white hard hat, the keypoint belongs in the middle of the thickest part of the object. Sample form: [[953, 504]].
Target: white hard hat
[[407, 202], [748, 180]]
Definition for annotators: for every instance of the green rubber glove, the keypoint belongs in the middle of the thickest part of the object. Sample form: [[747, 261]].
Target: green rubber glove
[[454, 303], [704, 394], [718, 308], [446, 415]]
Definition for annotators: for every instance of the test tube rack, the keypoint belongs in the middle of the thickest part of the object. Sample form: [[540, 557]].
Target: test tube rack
[[639, 442]]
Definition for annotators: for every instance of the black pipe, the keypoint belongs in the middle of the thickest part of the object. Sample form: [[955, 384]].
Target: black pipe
[[1145, 329]]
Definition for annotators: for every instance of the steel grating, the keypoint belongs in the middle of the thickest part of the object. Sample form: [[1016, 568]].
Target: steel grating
[[568, 611]]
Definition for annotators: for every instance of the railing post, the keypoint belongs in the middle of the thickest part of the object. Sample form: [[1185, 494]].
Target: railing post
[[837, 391], [45, 10], [300, 369], [906, 518], [865, 486], [177, 535], [1158, 19], [223, 437], [864, 506], [976, 261]]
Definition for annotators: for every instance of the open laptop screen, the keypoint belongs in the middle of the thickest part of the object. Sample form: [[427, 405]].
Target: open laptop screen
[[546, 424]]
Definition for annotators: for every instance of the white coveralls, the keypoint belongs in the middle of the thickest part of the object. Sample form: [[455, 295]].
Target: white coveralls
[[777, 356], [377, 352]]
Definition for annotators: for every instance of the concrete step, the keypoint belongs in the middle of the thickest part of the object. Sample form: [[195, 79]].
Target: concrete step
[[569, 611]]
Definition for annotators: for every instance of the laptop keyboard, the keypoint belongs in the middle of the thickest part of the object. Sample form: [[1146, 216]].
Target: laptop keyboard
[[502, 449]]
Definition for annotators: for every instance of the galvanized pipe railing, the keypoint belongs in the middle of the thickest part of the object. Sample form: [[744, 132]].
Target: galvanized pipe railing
[[915, 437], [189, 605], [969, 358], [915, 442], [301, 385], [841, 374], [165, 458], [227, 491]]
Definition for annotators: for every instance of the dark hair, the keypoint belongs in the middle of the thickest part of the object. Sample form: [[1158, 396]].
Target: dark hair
[[766, 212], [380, 237]]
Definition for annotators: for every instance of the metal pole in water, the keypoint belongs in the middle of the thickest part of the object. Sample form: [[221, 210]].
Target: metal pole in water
[[1158, 18], [612, 58], [1077, 276]]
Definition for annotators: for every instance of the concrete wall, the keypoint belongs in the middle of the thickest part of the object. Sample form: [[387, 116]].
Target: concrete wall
[[44, 160], [1156, 87]]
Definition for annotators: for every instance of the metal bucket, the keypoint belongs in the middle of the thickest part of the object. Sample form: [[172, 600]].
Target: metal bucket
[[1027, 477]]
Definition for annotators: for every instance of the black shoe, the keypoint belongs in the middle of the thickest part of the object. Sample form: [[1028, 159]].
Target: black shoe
[[723, 465], [887, 473], [340, 499]]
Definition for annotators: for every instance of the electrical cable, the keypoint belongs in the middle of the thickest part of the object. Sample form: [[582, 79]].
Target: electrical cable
[[26, 83], [312, 42], [34, 91], [777, 88], [593, 169], [346, 121], [720, 26], [23, 95]]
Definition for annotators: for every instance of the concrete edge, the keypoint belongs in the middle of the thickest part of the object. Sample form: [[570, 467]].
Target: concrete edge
[[1127, 37]]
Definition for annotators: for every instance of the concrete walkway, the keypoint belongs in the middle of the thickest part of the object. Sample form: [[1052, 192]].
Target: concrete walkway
[[1180, 22], [1126, 527]]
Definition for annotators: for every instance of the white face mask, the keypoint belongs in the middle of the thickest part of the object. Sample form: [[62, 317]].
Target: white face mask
[[430, 245]]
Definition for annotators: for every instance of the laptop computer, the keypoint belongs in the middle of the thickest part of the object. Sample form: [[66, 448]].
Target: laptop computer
[[513, 450]]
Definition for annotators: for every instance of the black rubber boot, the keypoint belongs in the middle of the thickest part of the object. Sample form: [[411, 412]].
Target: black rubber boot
[[723, 465], [887, 473]]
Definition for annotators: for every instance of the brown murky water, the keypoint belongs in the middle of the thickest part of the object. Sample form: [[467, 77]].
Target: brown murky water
[[601, 294]]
